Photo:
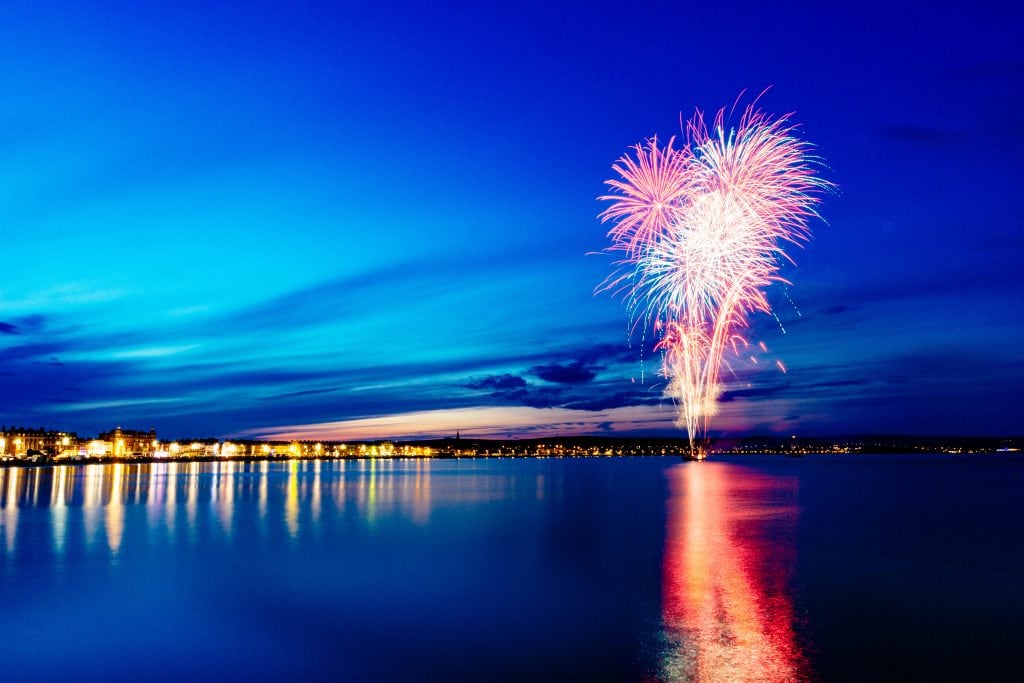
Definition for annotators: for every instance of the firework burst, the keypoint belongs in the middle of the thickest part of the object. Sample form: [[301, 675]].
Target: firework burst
[[702, 230]]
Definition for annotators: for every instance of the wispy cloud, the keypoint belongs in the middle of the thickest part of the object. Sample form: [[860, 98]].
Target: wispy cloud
[[480, 422]]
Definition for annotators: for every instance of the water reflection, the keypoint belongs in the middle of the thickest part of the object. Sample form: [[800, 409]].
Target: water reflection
[[94, 505], [729, 557], [115, 507]]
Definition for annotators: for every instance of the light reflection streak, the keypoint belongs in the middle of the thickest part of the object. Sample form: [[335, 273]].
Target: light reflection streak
[[339, 487], [192, 497], [222, 494], [370, 508], [315, 495], [171, 483], [729, 557], [156, 505], [92, 484], [264, 470], [35, 488], [421, 494], [97, 499], [115, 508], [291, 501], [10, 518], [59, 508]]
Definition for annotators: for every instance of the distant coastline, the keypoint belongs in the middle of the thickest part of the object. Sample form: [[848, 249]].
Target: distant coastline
[[216, 450]]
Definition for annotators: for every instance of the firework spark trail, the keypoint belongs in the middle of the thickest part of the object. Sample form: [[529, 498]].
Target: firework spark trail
[[702, 230]]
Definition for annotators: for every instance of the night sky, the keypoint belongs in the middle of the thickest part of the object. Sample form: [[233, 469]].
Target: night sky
[[379, 219]]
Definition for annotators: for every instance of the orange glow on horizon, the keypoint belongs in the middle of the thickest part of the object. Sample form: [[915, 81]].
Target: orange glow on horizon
[[480, 422], [503, 422]]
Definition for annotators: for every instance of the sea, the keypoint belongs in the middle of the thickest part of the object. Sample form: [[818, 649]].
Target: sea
[[746, 568]]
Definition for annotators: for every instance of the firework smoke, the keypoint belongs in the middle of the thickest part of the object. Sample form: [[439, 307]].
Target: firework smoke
[[702, 230]]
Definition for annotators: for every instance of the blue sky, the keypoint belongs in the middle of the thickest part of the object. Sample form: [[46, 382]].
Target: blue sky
[[369, 219]]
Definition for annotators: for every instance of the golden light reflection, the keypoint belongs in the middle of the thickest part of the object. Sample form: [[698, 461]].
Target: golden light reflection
[[315, 495], [170, 510], [421, 504], [291, 501], [192, 496], [91, 507], [262, 500], [224, 493], [157, 493], [728, 559], [92, 499], [10, 507], [115, 508], [59, 507]]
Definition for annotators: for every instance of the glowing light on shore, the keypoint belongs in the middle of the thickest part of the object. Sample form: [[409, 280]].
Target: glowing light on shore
[[702, 231]]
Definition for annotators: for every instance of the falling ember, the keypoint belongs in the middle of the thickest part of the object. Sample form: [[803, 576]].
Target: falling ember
[[702, 231]]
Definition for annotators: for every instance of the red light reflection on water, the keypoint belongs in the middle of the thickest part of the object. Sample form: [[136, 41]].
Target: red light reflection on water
[[729, 557]]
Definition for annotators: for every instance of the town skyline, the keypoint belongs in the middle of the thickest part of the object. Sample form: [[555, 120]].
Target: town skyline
[[29, 446]]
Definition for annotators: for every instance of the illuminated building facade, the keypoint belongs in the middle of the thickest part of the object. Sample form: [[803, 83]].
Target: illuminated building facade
[[127, 442], [19, 442]]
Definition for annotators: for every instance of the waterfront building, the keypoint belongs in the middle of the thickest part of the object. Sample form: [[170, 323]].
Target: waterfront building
[[128, 442], [21, 442]]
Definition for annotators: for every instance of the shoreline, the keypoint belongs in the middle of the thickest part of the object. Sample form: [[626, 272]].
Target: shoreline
[[9, 464], [24, 464]]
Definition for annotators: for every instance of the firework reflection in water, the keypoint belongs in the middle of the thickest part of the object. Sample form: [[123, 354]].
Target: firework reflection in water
[[729, 560]]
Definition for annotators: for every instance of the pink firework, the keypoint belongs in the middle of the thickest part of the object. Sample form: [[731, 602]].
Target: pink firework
[[703, 231]]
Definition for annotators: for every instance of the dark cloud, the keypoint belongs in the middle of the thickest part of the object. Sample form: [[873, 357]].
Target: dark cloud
[[577, 372], [29, 324], [528, 395], [618, 399], [752, 392], [510, 389]]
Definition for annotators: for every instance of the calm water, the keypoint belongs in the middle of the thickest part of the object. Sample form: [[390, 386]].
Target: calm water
[[767, 569]]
